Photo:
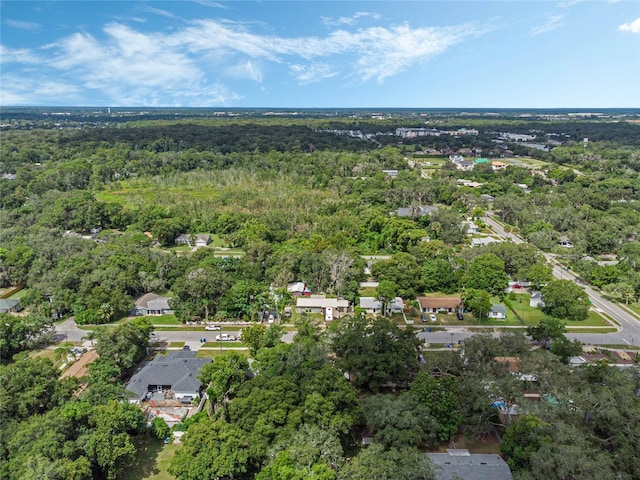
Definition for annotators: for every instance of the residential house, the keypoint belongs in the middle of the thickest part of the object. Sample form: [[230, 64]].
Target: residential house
[[170, 376], [298, 289], [151, 304], [416, 211], [461, 465], [202, 240], [536, 300], [498, 165], [468, 183], [565, 242], [464, 165], [498, 312], [373, 306], [391, 173], [488, 198], [183, 239], [9, 305], [478, 242], [329, 307], [439, 304], [470, 227]]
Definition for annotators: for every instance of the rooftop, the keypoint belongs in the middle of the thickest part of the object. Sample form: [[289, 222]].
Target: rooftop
[[460, 464]]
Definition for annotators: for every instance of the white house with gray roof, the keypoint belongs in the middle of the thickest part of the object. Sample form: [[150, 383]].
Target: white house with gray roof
[[373, 306], [170, 376], [151, 304]]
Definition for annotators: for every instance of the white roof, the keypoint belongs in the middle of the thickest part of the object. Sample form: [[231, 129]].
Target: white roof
[[311, 302], [296, 287]]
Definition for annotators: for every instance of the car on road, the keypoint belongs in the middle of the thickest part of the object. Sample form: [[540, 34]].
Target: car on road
[[225, 337], [271, 319], [213, 327], [432, 317]]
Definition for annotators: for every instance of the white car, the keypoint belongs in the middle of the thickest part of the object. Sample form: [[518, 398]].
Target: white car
[[225, 337], [433, 317], [213, 327], [271, 319]]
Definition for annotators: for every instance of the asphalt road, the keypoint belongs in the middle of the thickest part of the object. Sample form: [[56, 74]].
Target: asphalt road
[[629, 332]]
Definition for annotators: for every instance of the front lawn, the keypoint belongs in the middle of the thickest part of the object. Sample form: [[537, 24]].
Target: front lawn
[[165, 320], [222, 345], [217, 353]]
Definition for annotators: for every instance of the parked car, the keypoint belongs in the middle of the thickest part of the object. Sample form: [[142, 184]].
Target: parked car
[[271, 319], [225, 337], [213, 327], [432, 317]]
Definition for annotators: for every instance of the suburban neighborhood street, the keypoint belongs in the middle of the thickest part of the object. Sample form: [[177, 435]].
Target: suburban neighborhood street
[[629, 332]]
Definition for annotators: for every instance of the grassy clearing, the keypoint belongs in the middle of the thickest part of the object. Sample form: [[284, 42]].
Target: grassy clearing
[[176, 344], [533, 316], [165, 320], [152, 460], [619, 347], [591, 330], [175, 328], [222, 345], [635, 307], [367, 292], [217, 353], [45, 353]]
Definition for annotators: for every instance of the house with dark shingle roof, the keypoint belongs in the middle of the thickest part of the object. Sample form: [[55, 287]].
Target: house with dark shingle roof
[[462, 465], [174, 375]]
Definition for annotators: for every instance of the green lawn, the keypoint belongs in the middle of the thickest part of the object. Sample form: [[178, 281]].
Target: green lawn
[[176, 344], [533, 316], [635, 307], [152, 460], [165, 320], [367, 292], [217, 353], [223, 345]]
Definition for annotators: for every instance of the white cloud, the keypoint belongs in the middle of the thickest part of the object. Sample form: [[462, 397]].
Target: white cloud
[[30, 90], [312, 73], [209, 3], [632, 27], [248, 69], [22, 25], [18, 55], [159, 11], [125, 65], [553, 22], [332, 22], [569, 3]]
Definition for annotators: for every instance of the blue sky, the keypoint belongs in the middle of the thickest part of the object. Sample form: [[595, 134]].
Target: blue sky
[[327, 54]]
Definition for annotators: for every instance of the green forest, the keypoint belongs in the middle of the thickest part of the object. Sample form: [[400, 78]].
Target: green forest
[[90, 220]]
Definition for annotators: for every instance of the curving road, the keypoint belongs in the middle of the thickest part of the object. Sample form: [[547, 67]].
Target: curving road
[[629, 331]]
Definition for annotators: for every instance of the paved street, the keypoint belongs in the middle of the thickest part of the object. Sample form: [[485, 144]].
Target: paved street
[[629, 332]]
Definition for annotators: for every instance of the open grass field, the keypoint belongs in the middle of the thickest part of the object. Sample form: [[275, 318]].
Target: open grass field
[[152, 460]]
